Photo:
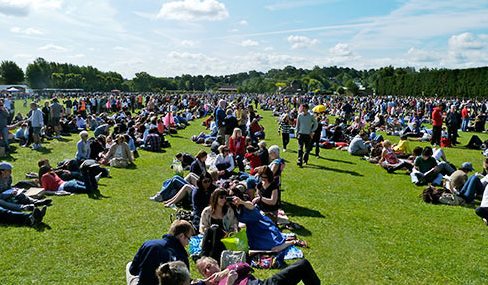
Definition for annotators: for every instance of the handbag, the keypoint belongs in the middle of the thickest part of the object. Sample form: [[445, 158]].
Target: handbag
[[230, 257], [236, 241]]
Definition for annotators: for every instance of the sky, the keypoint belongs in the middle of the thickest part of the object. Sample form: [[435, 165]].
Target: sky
[[217, 37]]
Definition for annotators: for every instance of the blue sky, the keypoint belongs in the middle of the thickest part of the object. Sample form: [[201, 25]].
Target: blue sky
[[169, 38]]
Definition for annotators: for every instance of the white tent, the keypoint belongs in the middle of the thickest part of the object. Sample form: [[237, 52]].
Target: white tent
[[12, 89]]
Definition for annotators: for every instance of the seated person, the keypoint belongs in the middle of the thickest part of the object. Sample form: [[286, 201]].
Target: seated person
[[359, 145], [402, 148], [240, 274], [224, 162], [12, 198], [268, 195], [201, 196], [155, 252], [252, 157], [390, 161], [119, 155], [173, 273], [186, 159], [22, 134], [425, 169], [263, 153], [83, 147], [152, 142], [217, 221], [198, 166], [262, 233], [482, 210]]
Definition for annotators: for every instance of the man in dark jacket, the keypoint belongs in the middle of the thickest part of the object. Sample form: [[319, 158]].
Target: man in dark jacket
[[142, 269], [453, 123]]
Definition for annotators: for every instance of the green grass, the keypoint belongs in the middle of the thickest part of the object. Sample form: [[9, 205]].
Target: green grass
[[364, 226]]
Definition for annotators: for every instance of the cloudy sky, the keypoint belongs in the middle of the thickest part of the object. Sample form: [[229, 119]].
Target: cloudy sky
[[169, 38]]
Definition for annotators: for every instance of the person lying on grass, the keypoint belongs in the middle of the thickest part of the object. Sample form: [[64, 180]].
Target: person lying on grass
[[241, 274]]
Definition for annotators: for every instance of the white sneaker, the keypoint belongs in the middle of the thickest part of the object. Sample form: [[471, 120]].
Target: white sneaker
[[284, 150], [156, 198]]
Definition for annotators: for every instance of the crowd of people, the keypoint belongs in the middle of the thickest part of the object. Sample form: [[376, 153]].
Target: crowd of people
[[237, 182]]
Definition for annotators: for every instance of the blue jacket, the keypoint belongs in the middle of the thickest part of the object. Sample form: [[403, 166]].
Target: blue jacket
[[154, 253]]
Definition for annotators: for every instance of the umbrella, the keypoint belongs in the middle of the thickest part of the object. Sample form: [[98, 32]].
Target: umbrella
[[319, 109], [12, 89]]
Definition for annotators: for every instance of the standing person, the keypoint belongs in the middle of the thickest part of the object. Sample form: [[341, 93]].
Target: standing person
[[437, 125], [37, 122], [4, 116], [305, 128], [284, 130], [219, 117], [237, 146], [56, 113], [453, 121], [316, 136], [10, 106], [464, 118], [155, 252]]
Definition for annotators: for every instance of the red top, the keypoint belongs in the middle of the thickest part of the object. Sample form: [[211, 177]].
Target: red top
[[464, 113], [254, 161], [237, 146], [437, 117], [50, 181]]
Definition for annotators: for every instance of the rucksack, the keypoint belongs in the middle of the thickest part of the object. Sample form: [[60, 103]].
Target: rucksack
[[431, 194]]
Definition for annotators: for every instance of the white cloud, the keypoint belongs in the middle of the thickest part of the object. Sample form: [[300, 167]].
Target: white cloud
[[423, 56], [301, 41], [193, 10], [26, 31], [341, 49], [189, 56], [188, 43], [466, 41], [243, 23], [249, 43], [52, 47]]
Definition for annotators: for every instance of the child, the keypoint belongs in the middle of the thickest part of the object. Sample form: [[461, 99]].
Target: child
[[253, 158]]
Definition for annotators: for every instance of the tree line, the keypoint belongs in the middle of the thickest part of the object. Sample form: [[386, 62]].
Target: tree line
[[405, 81]]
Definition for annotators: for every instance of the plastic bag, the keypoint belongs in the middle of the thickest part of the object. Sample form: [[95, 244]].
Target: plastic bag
[[237, 241]]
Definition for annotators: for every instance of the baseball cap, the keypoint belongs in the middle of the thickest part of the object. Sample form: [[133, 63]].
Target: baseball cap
[[5, 166], [467, 166]]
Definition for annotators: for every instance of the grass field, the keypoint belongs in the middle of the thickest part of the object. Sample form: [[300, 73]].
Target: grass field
[[364, 226]]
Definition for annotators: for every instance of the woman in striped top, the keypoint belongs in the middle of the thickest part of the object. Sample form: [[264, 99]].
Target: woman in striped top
[[284, 129]]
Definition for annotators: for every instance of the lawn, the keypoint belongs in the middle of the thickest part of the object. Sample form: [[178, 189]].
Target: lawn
[[364, 226]]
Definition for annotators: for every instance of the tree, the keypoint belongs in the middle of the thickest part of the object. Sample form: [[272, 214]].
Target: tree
[[11, 72]]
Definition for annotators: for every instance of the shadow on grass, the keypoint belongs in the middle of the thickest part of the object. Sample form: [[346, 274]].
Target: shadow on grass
[[354, 173], [39, 228], [44, 150], [296, 210], [97, 195], [61, 139], [337, 160]]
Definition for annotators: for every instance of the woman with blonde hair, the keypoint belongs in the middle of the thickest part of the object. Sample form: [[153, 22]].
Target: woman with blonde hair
[[390, 161]]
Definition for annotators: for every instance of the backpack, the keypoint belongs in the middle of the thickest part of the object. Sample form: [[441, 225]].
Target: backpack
[[432, 195]]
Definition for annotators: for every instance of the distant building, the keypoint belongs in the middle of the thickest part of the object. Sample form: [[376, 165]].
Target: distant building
[[14, 88], [227, 89]]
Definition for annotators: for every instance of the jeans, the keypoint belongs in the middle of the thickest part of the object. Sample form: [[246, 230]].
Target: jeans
[[482, 212], [74, 186], [472, 187], [464, 124], [286, 139], [171, 186], [5, 137], [304, 140], [301, 270], [13, 217]]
